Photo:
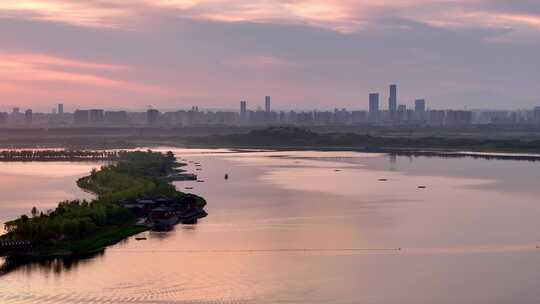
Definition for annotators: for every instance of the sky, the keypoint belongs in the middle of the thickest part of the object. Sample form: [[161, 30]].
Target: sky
[[306, 54]]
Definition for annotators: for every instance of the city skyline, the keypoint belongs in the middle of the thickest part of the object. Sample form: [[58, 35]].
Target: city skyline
[[396, 114], [372, 104], [311, 53]]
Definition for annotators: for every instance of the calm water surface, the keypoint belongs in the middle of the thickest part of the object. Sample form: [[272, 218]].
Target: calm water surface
[[307, 227]]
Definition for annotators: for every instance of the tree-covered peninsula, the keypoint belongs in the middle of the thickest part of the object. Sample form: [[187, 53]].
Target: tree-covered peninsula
[[78, 227]]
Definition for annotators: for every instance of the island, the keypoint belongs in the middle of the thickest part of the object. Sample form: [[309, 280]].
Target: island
[[133, 194]]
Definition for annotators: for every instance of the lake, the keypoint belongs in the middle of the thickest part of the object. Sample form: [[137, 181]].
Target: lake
[[306, 227]]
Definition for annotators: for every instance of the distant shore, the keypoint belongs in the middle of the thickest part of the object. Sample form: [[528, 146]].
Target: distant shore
[[416, 152], [291, 138]]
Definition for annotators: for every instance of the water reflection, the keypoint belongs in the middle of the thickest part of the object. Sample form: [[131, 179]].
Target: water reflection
[[461, 237], [47, 267], [41, 184], [393, 162]]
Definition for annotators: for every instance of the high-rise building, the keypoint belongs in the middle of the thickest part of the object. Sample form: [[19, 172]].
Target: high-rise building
[[80, 117], [96, 116], [267, 103], [457, 117], [243, 112], [436, 117], [116, 117], [243, 108], [60, 108], [536, 113], [374, 103], [392, 100], [4, 118], [28, 116], [420, 105], [152, 116]]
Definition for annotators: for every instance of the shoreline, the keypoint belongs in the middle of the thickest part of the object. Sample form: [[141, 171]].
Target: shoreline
[[400, 151], [465, 152], [108, 219], [443, 141], [123, 233]]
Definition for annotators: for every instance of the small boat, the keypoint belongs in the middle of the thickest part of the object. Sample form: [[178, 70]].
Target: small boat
[[421, 187], [337, 170], [142, 238], [383, 179], [226, 176], [188, 188], [200, 181]]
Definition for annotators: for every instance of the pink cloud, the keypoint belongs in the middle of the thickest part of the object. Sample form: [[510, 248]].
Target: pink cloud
[[263, 62], [39, 75], [344, 16]]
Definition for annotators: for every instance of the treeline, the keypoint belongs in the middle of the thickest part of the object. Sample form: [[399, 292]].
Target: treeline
[[70, 220], [58, 155], [136, 174], [298, 137]]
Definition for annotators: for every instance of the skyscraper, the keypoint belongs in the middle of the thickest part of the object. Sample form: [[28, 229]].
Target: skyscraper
[[420, 105], [243, 112], [4, 117], [28, 116], [536, 113], [152, 116], [374, 103], [116, 117], [243, 108], [96, 116], [392, 100], [267, 104], [60, 108], [81, 117]]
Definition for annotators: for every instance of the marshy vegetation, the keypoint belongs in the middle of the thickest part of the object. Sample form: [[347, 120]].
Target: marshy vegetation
[[59, 155]]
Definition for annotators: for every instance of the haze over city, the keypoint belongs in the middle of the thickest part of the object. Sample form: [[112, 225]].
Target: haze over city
[[269, 151], [305, 54]]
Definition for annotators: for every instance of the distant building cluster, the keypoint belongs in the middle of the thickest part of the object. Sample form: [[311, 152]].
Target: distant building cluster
[[395, 114]]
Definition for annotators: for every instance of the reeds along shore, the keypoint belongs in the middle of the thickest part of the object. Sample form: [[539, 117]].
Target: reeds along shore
[[59, 155]]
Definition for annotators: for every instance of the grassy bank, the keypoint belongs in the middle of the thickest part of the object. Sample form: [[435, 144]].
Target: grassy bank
[[104, 237]]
